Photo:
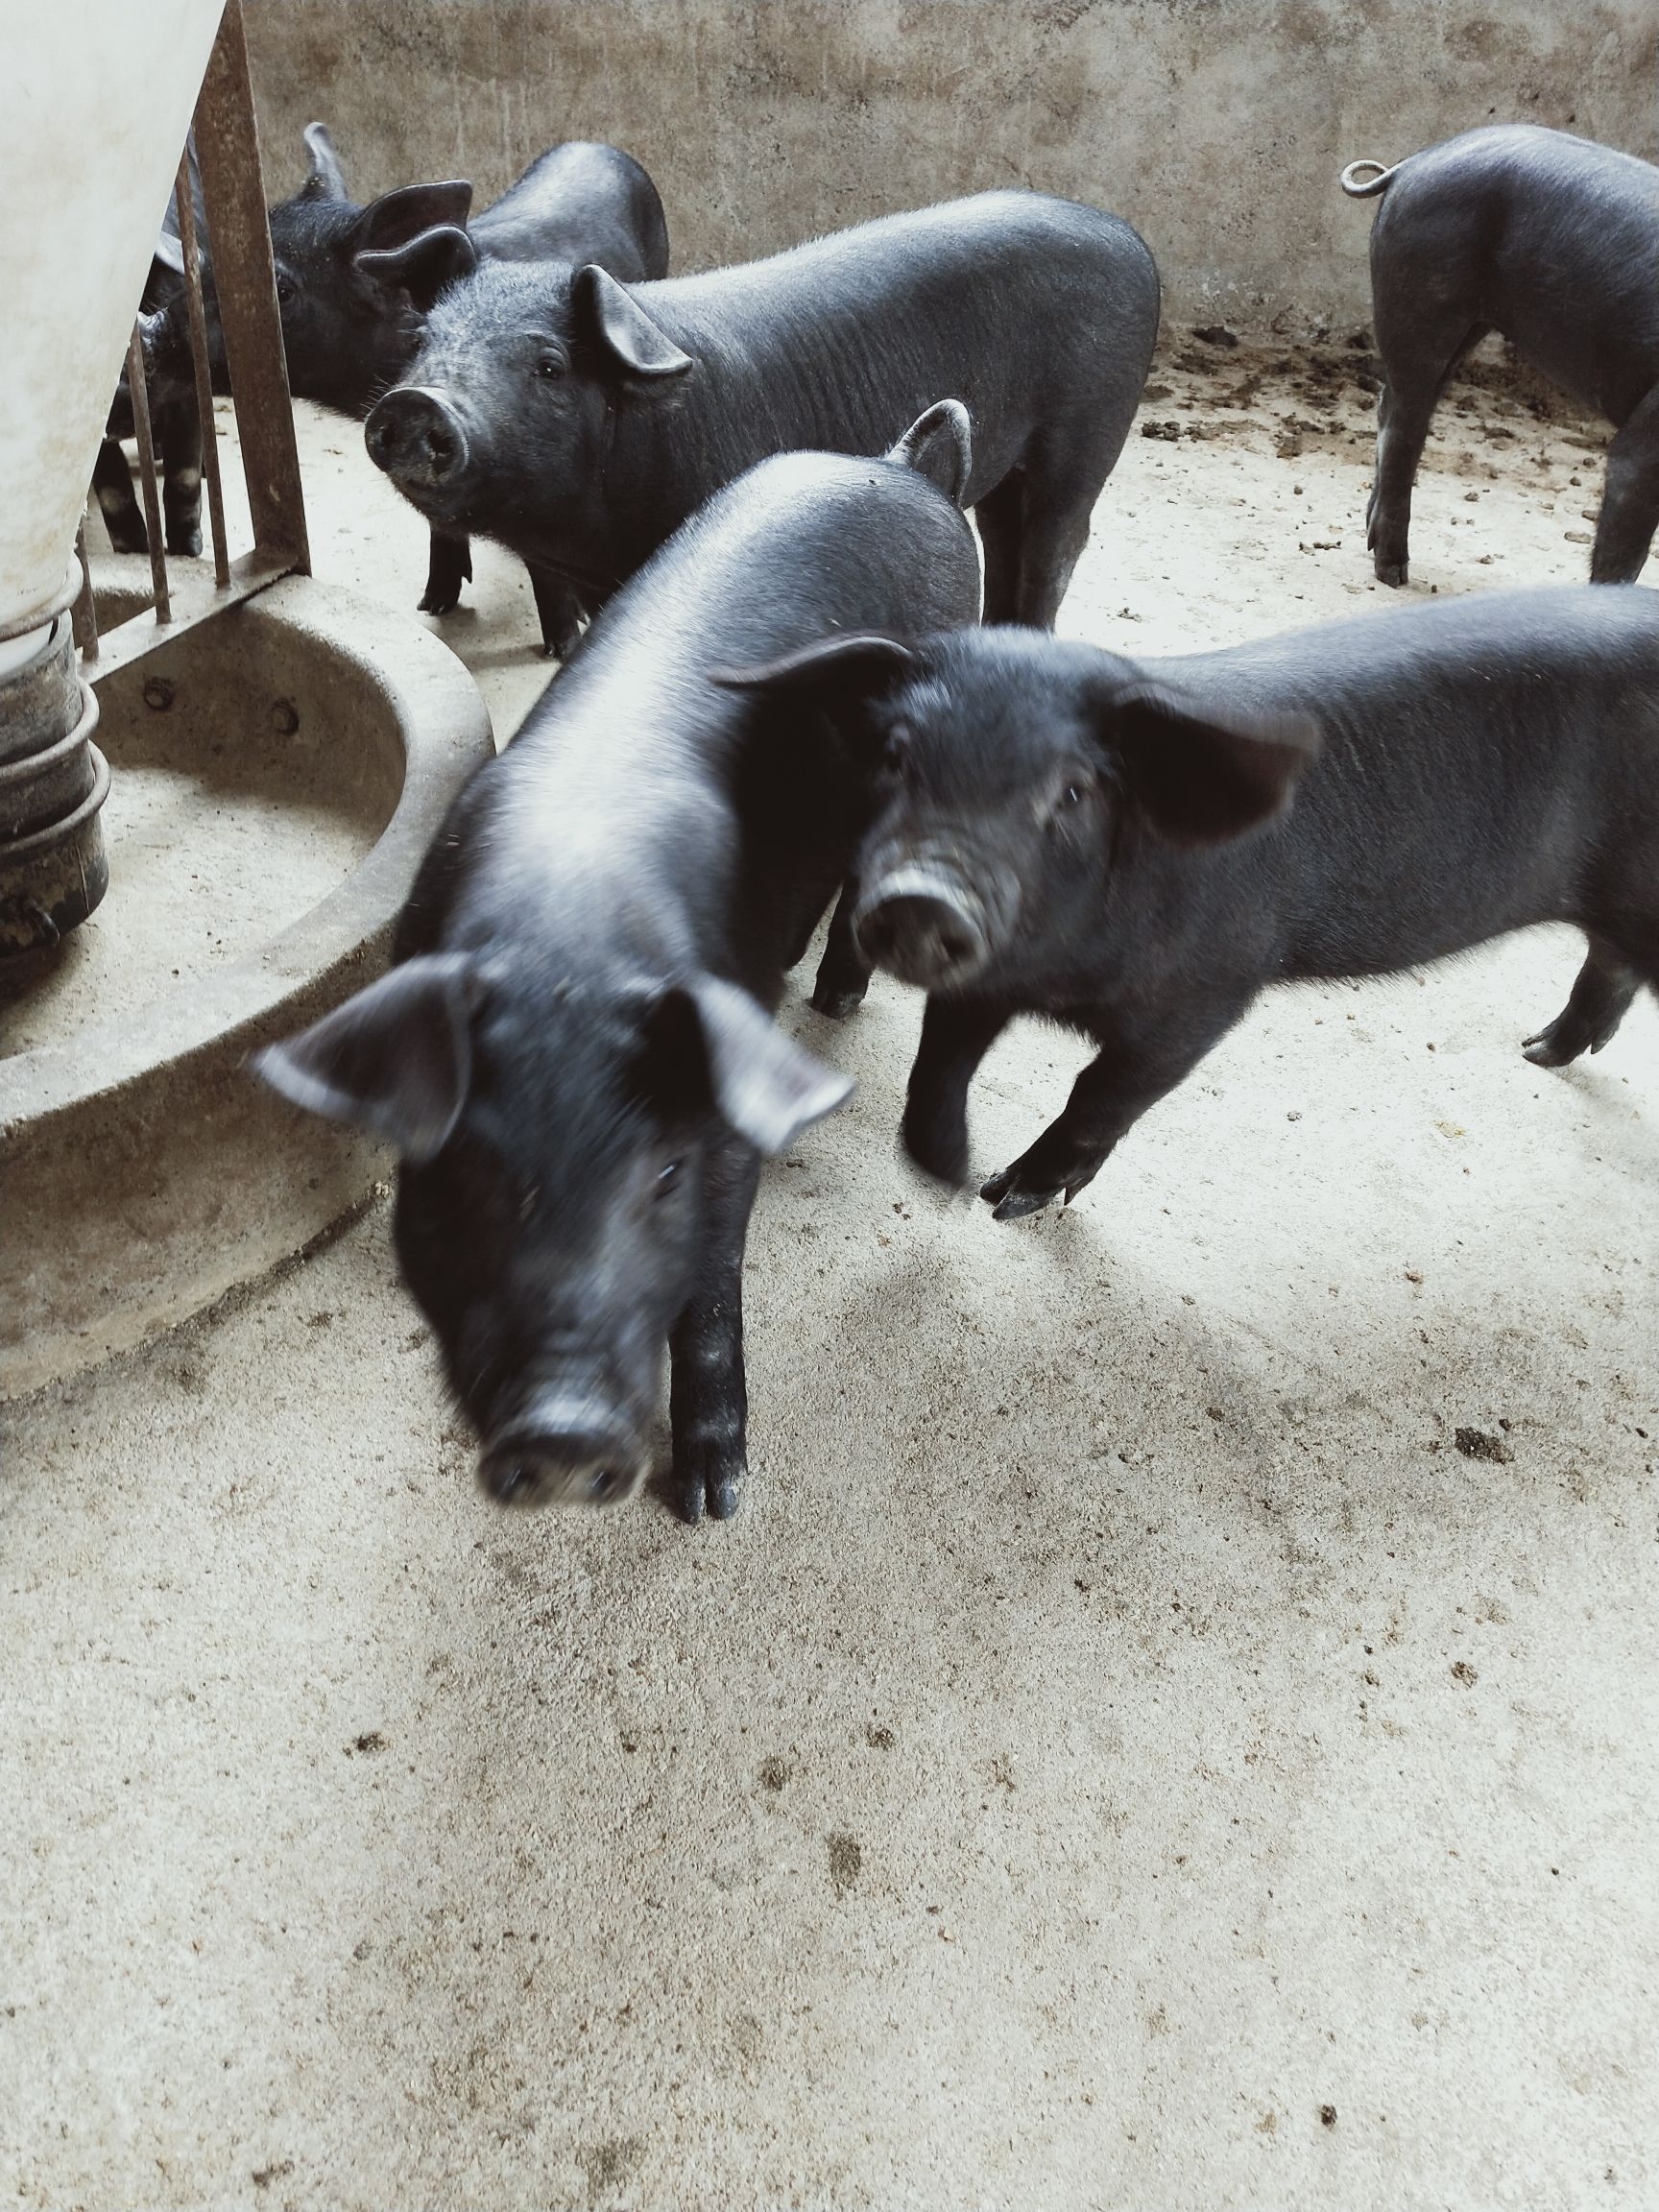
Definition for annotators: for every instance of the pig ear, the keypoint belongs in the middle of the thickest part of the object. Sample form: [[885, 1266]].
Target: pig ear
[[763, 1084], [1202, 776], [395, 1060], [397, 217], [940, 446], [832, 670], [613, 318], [427, 265], [326, 179]]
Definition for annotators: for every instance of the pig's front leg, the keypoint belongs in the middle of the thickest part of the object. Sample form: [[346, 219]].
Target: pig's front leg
[[707, 1394], [1136, 1065], [448, 565], [956, 1034], [181, 440], [117, 502]]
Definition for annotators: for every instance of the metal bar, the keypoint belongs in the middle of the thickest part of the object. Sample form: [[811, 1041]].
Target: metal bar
[[185, 201], [147, 473], [196, 599], [85, 619], [245, 282]]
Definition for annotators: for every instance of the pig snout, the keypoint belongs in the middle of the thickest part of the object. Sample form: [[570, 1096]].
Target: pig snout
[[417, 437], [925, 923], [561, 1455]]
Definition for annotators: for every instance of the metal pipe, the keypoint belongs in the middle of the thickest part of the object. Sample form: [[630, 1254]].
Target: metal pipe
[[147, 473], [204, 371]]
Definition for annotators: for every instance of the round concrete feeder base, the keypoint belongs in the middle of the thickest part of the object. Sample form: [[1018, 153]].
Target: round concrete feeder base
[[276, 777]]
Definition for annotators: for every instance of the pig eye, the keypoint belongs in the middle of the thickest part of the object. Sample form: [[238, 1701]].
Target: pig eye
[[897, 754], [550, 366], [668, 1177], [287, 291]]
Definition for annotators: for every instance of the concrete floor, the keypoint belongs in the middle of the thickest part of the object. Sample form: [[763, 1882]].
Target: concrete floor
[[1173, 1726]]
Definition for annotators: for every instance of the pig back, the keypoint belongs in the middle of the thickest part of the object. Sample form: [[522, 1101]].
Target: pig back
[[1040, 314], [579, 201], [618, 796], [1477, 760]]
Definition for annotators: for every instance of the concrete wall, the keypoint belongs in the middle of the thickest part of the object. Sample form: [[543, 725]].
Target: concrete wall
[[1217, 126]]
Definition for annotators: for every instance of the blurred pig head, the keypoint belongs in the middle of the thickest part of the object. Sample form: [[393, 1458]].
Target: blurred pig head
[[556, 1140]]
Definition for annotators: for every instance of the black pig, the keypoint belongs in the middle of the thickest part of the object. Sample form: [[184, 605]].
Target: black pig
[[175, 421], [1551, 240], [573, 1053], [1114, 845], [354, 283], [579, 421]]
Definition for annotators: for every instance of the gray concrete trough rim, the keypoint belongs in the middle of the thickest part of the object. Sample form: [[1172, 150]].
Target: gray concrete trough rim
[[143, 1173], [444, 729]]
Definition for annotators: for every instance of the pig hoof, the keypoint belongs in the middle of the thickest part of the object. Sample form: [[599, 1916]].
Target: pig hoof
[[187, 543], [837, 1004], [1563, 1041], [1010, 1200], [714, 1488], [1390, 572], [435, 602]]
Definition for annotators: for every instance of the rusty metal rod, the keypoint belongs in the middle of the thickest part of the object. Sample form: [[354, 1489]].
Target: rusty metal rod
[[245, 282], [203, 372], [84, 618], [140, 395]]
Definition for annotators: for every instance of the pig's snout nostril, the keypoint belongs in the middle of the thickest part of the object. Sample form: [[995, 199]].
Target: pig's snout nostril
[[925, 933], [557, 1466], [415, 438], [517, 1483]]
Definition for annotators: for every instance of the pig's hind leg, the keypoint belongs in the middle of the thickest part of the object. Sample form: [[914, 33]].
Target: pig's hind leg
[[1420, 340], [1033, 527], [708, 1393], [999, 519], [1630, 498], [1600, 998]]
